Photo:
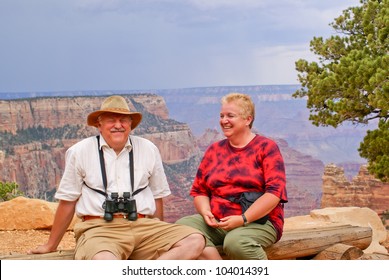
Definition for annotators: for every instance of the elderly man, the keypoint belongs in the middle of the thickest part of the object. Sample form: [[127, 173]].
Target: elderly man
[[115, 183]]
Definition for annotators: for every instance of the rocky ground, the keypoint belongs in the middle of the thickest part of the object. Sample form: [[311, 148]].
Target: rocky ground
[[20, 241]]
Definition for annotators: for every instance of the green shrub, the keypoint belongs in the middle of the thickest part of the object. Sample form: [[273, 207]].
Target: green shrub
[[9, 191]]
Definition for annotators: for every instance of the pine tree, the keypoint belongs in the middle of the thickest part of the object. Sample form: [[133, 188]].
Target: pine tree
[[350, 81]]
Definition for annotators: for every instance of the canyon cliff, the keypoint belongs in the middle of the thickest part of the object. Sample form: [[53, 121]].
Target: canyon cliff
[[36, 132]]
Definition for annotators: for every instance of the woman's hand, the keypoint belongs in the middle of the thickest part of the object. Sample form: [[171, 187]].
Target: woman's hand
[[210, 219], [203, 208], [231, 222]]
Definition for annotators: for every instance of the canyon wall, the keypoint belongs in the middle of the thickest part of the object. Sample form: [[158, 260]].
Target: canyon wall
[[36, 132], [37, 163]]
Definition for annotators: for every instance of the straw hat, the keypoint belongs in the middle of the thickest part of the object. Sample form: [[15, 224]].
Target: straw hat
[[114, 104]]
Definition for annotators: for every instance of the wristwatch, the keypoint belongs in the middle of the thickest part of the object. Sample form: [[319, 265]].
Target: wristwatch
[[245, 223]]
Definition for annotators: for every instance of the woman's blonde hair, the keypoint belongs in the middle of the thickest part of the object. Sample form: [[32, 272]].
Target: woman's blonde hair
[[244, 102]]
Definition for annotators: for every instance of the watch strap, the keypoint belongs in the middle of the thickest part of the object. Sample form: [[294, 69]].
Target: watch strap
[[244, 220]]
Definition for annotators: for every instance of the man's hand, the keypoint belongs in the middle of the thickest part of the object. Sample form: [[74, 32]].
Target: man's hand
[[41, 249], [62, 220]]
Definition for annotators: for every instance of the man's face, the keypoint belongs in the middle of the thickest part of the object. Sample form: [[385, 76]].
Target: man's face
[[115, 128]]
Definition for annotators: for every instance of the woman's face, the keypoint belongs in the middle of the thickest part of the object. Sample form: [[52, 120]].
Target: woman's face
[[115, 128], [231, 120]]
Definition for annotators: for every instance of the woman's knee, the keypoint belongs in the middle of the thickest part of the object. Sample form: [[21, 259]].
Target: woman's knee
[[239, 247]]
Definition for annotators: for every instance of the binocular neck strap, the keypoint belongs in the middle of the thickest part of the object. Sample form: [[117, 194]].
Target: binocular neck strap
[[131, 159], [104, 174]]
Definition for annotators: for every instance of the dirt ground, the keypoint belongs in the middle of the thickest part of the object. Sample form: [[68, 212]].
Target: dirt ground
[[19, 242]]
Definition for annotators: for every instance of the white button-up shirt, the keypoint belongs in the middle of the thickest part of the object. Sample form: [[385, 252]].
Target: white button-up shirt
[[83, 167]]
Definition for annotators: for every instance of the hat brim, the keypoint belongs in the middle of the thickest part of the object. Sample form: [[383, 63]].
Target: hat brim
[[135, 116]]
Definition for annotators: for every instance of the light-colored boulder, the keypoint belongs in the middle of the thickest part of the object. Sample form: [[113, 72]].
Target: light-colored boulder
[[356, 216], [23, 213]]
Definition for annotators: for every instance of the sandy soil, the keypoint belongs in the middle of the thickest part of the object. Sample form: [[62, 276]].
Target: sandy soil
[[20, 241]]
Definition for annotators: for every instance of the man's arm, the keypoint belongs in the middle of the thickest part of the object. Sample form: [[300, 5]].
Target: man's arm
[[63, 218], [159, 209]]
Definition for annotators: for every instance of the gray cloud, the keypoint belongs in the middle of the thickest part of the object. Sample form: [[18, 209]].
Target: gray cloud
[[133, 44]]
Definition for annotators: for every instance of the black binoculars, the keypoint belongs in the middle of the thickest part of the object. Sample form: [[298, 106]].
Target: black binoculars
[[116, 204]]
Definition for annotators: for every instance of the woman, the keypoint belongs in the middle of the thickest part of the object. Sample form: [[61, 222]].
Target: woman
[[244, 162]]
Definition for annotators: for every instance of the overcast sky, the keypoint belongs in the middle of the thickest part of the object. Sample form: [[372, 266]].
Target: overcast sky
[[67, 45]]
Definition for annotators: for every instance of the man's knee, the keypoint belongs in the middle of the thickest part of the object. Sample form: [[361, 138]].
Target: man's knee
[[194, 242], [104, 255], [197, 240]]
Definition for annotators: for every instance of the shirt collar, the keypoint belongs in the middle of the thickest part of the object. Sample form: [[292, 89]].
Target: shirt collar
[[103, 143]]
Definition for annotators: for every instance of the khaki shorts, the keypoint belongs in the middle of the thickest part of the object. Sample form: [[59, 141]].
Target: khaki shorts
[[144, 239]]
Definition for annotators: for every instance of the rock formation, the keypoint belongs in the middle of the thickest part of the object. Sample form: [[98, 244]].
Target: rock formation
[[24, 213], [362, 191]]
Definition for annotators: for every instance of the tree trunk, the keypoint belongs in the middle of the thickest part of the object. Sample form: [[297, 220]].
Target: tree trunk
[[309, 242], [339, 252]]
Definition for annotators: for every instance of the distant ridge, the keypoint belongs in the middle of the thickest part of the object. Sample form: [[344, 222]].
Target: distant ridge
[[214, 89]]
